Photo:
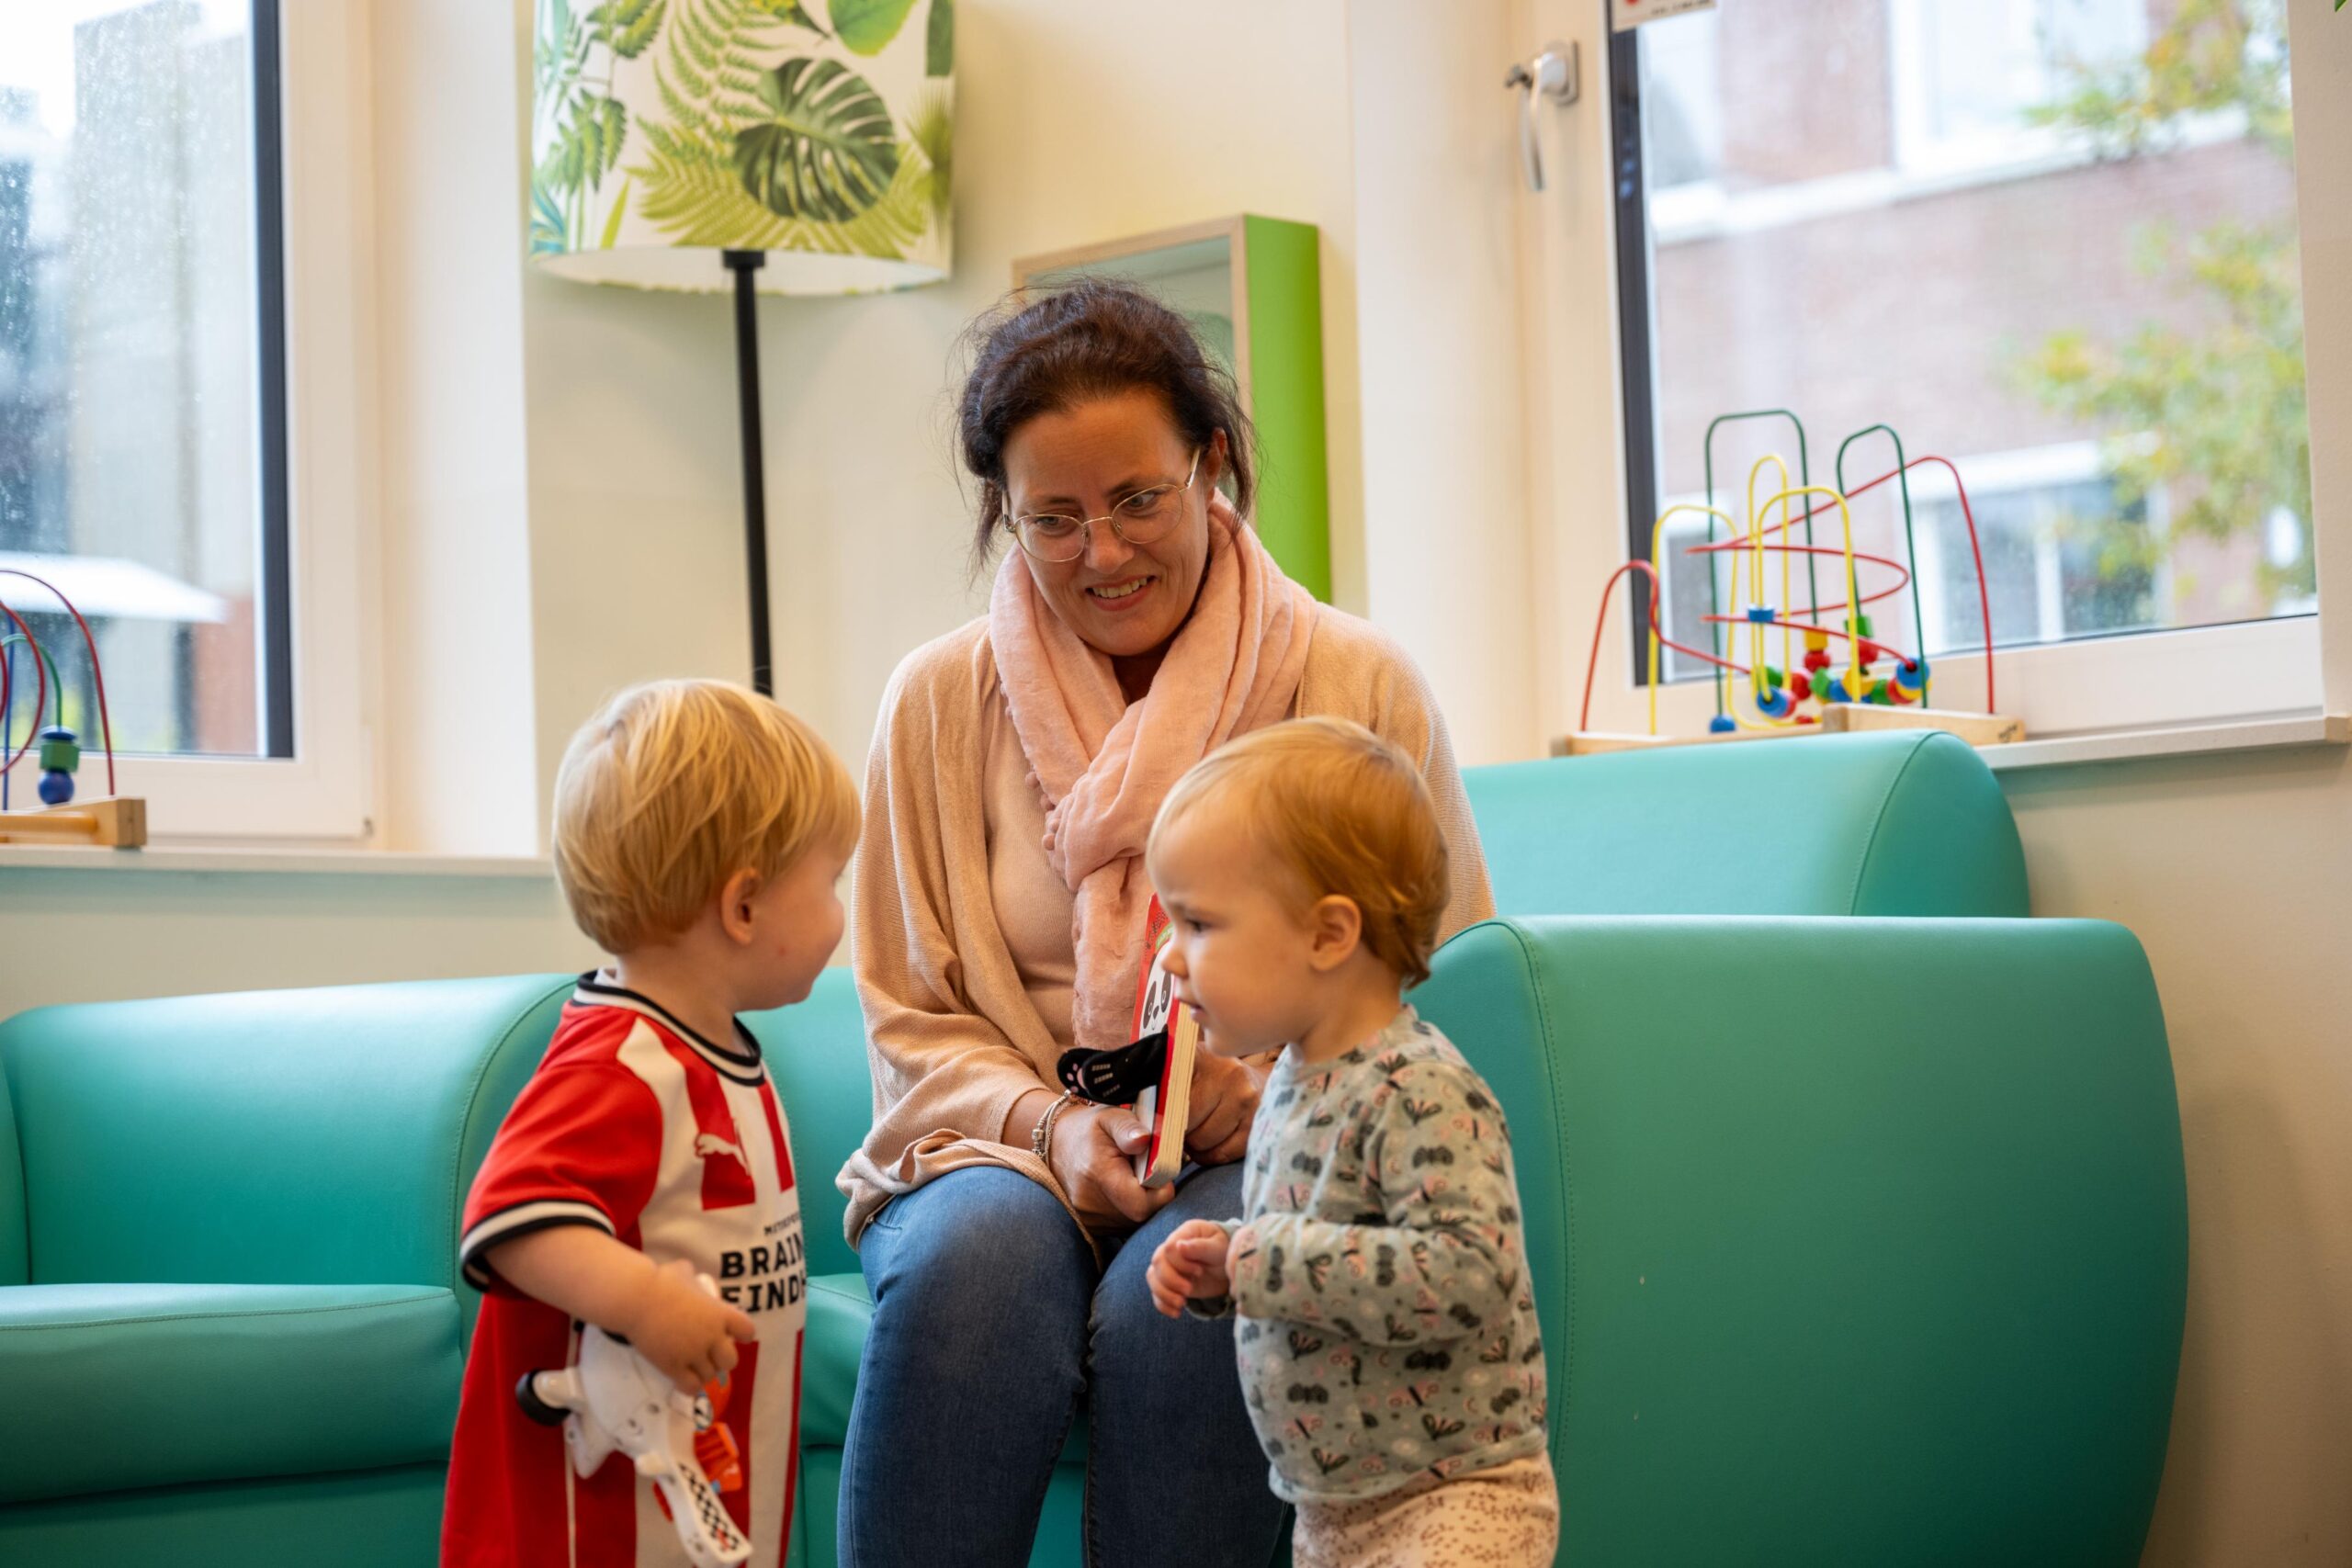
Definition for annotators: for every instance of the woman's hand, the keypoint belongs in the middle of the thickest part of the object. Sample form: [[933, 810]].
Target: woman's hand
[[1188, 1265], [1224, 1103], [1094, 1157]]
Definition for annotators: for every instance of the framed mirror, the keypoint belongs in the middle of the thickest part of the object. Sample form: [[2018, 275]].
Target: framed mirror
[[1253, 289]]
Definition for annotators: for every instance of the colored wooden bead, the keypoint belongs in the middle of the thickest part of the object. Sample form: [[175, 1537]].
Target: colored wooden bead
[[1722, 724], [59, 757], [59, 752], [1816, 659], [1816, 642], [1801, 688]]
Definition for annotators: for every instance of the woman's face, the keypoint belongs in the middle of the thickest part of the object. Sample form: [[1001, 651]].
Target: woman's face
[[1124, 599]]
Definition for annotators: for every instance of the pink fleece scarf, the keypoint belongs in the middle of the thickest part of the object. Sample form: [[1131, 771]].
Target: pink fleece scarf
[[1102, 765]]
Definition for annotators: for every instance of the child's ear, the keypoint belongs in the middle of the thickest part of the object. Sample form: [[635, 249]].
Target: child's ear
[[735, 906], [1335, 928]]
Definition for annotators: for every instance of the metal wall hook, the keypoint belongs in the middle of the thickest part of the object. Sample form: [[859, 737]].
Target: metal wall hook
[[1551, 74]]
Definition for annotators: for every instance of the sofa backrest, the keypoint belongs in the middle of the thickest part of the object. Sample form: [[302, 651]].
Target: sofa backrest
[[317, 1136], [1909, 823], [1886, 1263], [816, 1054]]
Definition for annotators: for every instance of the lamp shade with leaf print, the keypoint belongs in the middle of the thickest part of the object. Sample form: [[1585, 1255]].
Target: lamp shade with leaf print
[[786, 146], [817, 132]]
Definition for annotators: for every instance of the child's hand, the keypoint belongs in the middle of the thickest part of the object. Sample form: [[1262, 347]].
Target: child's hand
[[682, 1329], [1189, 1264]]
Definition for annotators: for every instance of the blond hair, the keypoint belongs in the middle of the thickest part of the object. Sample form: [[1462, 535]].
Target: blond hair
[[1347, 814], [677, 786]]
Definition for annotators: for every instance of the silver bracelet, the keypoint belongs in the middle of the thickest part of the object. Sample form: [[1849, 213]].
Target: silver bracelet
[[1041, 1136]]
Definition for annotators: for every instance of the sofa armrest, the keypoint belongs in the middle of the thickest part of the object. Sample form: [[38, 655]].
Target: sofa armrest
[[275, 1137], [1847, 1234], [15, 1265]]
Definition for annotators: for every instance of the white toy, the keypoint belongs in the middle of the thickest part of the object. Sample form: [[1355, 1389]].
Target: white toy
[[613, 1400]]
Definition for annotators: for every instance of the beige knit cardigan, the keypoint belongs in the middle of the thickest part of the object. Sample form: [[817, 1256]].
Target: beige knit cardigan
[[954, 1036]]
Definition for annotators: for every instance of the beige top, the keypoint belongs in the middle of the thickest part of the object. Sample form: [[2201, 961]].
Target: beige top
[[963, 947]]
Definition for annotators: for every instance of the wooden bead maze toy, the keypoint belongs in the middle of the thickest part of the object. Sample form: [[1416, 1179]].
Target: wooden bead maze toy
[[1834, 672], [115, 820]]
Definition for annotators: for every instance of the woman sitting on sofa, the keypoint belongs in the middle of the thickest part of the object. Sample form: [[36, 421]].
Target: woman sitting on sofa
[[1136, 624]]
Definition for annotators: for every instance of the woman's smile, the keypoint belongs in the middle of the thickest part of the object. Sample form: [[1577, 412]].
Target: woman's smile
[[1122, 595]]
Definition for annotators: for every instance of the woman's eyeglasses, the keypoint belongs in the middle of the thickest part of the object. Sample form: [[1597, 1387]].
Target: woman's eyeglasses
[[1137, 520]]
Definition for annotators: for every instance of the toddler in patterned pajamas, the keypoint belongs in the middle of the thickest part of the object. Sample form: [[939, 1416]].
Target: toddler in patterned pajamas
[[1387, 1336]]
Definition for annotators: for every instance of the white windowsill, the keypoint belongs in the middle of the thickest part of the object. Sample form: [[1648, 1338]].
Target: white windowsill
[[275, 862], [2180, 740]]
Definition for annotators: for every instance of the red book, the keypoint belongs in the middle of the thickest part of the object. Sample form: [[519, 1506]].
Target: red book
[[1165, 1108]]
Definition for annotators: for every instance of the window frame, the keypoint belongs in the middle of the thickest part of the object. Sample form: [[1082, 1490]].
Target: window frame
[[1921, 154], [313, 784], [2159, 678]]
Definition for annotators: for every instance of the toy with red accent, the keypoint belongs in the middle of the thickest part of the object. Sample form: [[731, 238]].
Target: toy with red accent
[[115, 820], [611, 1400], [1836, 671]]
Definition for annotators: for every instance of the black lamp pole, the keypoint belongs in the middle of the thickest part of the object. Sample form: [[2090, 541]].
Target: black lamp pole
[[742, 264]]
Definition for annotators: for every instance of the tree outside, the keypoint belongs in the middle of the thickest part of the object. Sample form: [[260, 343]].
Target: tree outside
[[2209, 416]]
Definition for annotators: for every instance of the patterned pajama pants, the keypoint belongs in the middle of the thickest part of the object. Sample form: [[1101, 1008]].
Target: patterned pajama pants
[[1505, 1518]]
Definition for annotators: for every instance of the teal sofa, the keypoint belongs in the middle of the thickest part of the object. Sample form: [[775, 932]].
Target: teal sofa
[[231, 1320], [1854, 1199]]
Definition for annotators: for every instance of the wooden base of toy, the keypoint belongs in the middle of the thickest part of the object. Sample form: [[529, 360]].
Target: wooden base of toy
[[1837, 718], [1976, 729], [119, 822]]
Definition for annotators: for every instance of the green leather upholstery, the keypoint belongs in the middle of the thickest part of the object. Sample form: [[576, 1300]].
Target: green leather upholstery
[[1856, 1240], [218, 1383], [839, 1308], [281, 1137], [13, 1266], [816, 1054], [1886, 1265], [240, 1231], [362, 1518], [1892, 824]]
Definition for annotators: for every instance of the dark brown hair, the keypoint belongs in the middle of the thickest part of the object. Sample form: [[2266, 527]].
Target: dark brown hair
[[1092, 338]]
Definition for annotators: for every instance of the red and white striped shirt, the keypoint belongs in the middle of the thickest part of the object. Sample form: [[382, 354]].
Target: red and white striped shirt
[[675, 1144]]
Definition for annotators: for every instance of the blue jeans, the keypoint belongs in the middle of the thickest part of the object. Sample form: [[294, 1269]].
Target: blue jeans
[[991, 1324]]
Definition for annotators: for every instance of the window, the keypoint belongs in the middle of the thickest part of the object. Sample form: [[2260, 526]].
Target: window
[[142, 405], [184, 341], [2024, 234], [1968, 75]]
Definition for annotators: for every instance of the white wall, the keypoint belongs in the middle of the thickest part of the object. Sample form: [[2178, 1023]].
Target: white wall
[[1446, 499], [1078, 121], [455, 759], [83, 936], [559, 510], [2236, 873], [1074, 123]]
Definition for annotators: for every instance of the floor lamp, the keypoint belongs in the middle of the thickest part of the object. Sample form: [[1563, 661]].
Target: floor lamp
[[804, 149]]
